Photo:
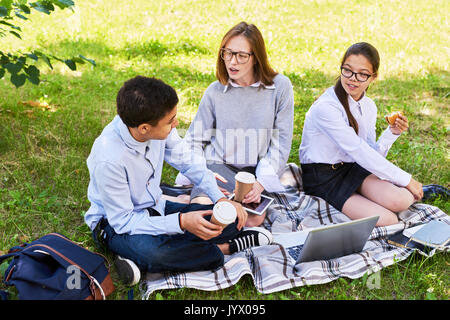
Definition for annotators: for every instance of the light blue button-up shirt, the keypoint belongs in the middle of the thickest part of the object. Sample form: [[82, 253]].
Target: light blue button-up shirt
[[125, 175]]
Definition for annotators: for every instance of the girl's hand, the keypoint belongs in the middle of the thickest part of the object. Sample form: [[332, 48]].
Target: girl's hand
[[415, 187], [255, 194], [401, 124]]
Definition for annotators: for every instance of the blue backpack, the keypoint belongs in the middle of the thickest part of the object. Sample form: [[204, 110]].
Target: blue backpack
[[54, 267]]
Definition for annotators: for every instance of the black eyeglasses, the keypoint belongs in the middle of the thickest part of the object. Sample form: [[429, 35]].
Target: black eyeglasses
[[361, 77], [241, 56]]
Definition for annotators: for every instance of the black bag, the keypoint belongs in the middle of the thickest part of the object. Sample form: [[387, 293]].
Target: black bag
[[54, 267]]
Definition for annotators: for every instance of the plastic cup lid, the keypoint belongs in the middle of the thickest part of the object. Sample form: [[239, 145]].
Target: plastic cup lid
[[224, 212], [245, 177]]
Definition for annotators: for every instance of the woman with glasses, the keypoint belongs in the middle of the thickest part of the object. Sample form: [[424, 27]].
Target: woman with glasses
[[341, 160], [245, 118]]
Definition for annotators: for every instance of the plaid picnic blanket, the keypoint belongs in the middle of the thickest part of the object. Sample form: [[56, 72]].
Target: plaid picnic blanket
[[273, 268]]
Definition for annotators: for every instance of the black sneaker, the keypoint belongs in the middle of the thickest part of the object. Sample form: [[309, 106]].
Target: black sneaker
[[100, 235], [250, 237], [128, 271]]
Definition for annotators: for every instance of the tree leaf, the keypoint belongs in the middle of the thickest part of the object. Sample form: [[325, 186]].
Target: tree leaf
[[32, 56], [25, 8], [47, 61], [13, 68], [16, 34], [4, 58], [20, 16], [91, 61], [18, 79], [2, 72], [45, 7], [32, 71], [71, 64], [34, 80], [43, 57], [64, 3], [77, 60], [8, 24]]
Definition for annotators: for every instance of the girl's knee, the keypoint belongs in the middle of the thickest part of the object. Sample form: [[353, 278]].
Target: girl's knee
[[254, 220], [387, 220], [400, 201]]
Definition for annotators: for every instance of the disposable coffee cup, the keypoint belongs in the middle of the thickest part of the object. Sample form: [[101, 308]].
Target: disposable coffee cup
[[224, 213], [244, 184]]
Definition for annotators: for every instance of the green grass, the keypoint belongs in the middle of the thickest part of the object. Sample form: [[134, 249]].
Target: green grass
[[43, 174]]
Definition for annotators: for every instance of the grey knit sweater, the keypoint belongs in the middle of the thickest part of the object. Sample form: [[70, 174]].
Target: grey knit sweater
[[246, 126]]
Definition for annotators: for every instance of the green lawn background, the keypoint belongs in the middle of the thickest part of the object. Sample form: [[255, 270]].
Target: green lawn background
[[43, 175]]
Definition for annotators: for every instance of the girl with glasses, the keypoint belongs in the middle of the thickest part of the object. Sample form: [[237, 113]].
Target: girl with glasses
[[245, 118], [341, 160]]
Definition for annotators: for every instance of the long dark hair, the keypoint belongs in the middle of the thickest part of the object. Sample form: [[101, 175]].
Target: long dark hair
[[371, 54]]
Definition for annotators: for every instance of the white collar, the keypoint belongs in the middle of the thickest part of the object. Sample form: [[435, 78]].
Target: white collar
[[255, 85], [353, 104]]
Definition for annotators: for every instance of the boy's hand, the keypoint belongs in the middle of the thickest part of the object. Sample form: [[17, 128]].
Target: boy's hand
[[241, 213], [195, 223]]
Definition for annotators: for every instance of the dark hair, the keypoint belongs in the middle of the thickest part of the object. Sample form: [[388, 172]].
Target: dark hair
[[371, 54], [262, 69], [145, 100]]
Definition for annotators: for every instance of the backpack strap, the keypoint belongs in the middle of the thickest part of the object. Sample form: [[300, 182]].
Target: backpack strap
[[9, 255]]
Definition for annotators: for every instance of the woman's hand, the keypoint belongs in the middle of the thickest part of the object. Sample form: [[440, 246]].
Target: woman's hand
[[401, 124], [225, 192], [255, 194], [415, 187], [222, 179]]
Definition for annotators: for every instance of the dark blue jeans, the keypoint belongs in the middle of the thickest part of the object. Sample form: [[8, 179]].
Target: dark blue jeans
[[178, 253]]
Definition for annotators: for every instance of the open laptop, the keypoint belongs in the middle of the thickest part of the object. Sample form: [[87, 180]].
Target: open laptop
[[328, 242]]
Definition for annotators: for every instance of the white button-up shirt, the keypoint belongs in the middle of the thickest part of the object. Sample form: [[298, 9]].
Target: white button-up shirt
[[328, 138]]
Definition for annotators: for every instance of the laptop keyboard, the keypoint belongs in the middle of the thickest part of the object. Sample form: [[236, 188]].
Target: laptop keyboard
[[294, 252]]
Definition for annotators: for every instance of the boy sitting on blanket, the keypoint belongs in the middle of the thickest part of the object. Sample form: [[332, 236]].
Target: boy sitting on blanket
[[128, 215]]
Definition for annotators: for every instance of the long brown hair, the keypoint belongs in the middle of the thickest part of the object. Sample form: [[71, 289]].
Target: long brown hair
[[262, 70], [371, 54]]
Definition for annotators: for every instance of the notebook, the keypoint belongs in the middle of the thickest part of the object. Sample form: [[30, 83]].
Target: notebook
[[423, 237], [434, 234]]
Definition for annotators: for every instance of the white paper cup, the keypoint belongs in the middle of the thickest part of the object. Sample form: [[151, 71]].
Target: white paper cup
[[224, 213], [244, 184]]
